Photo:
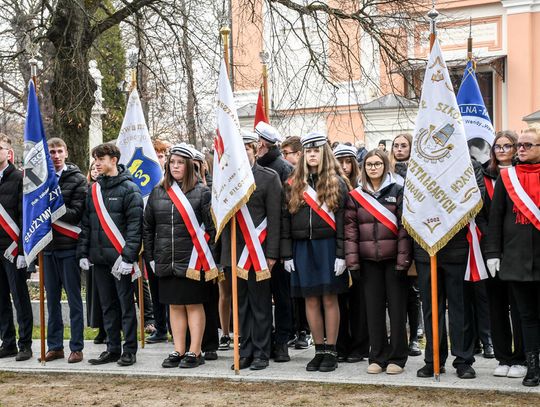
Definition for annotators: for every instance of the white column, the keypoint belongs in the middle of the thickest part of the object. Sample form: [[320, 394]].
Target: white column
[[96, 124]]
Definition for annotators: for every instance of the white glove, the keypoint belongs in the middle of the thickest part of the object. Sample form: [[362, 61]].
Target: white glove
[[288, 265], [153, 266], [493, 266], [339, 266], [84, 264], [125, 268], [21, 262]]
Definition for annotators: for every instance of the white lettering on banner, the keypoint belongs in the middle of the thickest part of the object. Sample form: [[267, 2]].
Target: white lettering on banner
[[36, 223]]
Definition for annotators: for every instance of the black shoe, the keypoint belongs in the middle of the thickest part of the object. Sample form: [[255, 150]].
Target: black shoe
[[427, 371], [314, 364], [191, 360], [292, 341], [532, 378], [329, 362], [281, 353], [224, 343], [258, 364], [23, 354], [100, 338], [173, 360], [105, 357], [243, 364], [8, 352], [210, 355], [488, 352], [157, 338], [127, 359], [341, 358], [465, 372], [414, 349], [354, 358], [302, 341]]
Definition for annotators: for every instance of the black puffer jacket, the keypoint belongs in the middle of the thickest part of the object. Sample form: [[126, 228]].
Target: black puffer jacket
[[124, 203], [307, 224], [274, 160], [166, 238], [11, 190], [74, 189]]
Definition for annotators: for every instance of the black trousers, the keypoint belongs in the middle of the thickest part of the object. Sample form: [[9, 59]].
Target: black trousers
[[161, 311], [451, 288], [280, 284], [384, 286], [482, 325], [505, 323], [118, 305], [13, 286], [527, 295], [148, 306], [255, 317], [413, 307]]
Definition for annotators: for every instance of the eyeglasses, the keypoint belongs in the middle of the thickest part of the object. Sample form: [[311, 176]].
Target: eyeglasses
[[286, 153], [504, 148], [526, 146], [376, 165], [4, 148], [403, 146]]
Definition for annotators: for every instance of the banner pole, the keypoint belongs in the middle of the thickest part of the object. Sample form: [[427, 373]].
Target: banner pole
[[265, 90], [141, 300], [433, 14]]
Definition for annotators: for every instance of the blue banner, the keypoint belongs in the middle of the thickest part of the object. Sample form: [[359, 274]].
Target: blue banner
[[42, 199]]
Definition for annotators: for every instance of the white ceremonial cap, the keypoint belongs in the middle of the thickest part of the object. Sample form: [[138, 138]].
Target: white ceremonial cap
[[343, 150], [249, 137], [268, 133], [315, 139], [183, 150]]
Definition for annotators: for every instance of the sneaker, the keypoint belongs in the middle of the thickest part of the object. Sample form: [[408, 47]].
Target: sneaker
[[488, 352], [157, 338], [420, 333], [224, 342], [292, 341], [303, 341], [392, 368], [414, 349], [374, 368], [502, 371], [173, 360], [150, 329], [191, 360], [517, 371], [465, 372]]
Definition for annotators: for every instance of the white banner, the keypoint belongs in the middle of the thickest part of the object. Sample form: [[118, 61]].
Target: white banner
[[441, 194]]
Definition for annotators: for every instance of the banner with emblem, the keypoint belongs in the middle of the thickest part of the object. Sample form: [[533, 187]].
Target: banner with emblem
[[43, 203], [441, 195], [137, 151], [233, 181]]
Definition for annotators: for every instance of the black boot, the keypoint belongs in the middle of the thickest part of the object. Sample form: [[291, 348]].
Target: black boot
[[314, 363], [330, 361], [532, 378]]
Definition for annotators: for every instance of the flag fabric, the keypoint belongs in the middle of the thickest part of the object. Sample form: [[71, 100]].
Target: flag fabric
[[43, 203], [233, 181], [260, 115], [441, 195], [473, 110], [137, 151]]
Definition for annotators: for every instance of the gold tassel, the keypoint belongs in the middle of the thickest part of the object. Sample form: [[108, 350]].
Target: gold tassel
[[242, 273], [211, 274], [262, 275], [221, 276], [193, 274]]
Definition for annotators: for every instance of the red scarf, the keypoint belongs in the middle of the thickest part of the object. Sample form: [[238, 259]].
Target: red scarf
[[529, 178]]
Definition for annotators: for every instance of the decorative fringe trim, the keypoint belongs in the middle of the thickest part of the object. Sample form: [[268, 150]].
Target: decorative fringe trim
[[39, 246], [242, 273], [193, 274], [350, 278], [221, 276], [262, 275], [432, 250], [211, 274], [232, 212]]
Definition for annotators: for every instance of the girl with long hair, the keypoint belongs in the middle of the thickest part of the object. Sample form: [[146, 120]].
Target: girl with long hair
[[312, 244]]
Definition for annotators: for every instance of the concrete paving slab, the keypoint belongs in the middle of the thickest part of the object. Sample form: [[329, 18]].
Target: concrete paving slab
[[149, 364]]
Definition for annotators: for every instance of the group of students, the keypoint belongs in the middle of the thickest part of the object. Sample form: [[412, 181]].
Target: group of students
[[320, 238]]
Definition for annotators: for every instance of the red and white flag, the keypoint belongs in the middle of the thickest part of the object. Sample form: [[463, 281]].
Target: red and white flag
[[260, 115]]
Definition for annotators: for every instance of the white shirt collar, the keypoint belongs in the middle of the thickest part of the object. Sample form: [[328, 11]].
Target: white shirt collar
[[59, 173]]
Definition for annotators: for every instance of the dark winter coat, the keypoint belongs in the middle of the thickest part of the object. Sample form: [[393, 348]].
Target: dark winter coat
[[307, 224], [124, 203], [368, 239], [265, 202], [517, 245], [274, 160], [11, 191], [166, 238], [74, 187]]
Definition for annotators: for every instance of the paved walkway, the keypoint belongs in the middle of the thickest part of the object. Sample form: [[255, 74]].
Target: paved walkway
[[149, 364]]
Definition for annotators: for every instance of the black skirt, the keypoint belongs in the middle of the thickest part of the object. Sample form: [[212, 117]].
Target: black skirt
[[182, 291]]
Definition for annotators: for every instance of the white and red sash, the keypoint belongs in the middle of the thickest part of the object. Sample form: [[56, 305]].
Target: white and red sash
[[112, 232], [253, 253], [13, 231], [310, 196], [476, 268], [517, 194], [490, 186], [198, 235], [376, 209], [66, 229]]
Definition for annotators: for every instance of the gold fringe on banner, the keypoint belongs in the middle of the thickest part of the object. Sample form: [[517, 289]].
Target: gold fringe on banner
[[262, 275], [193, 274], [211, 274], [233, 211], [221, 276], [432, 250], [242, 273]]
